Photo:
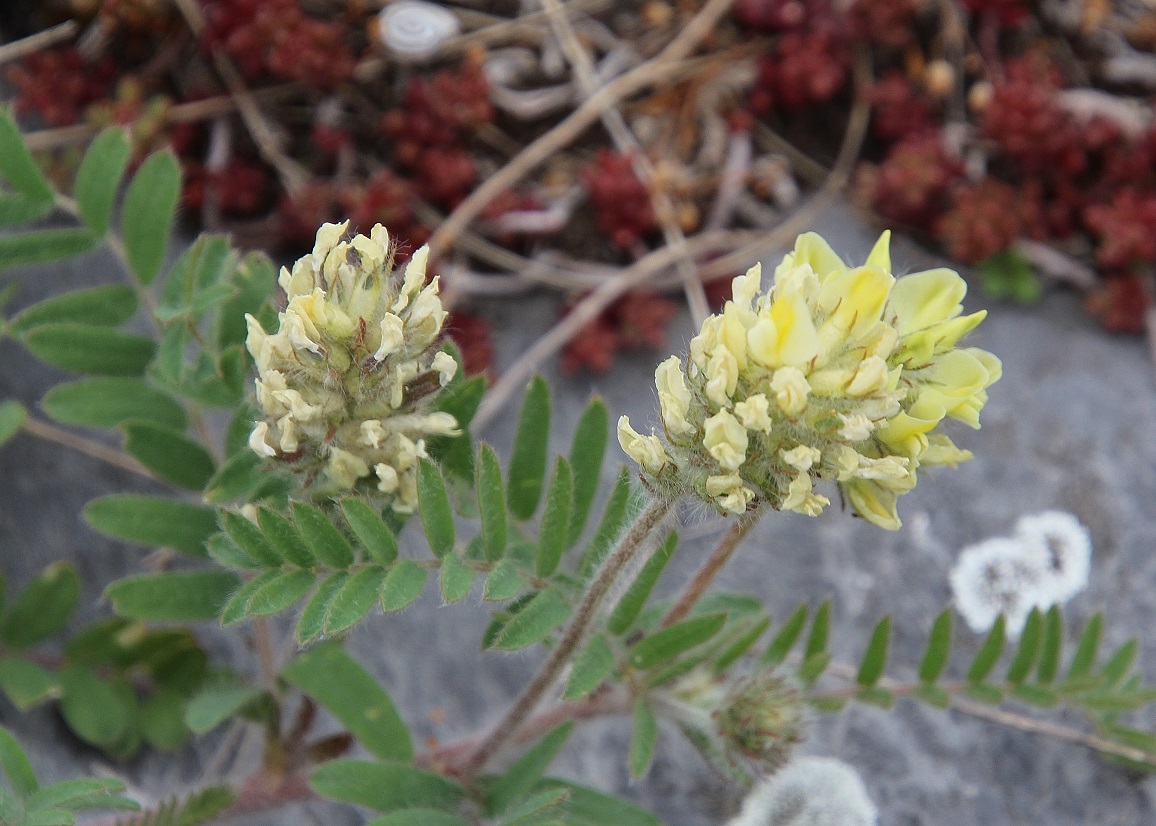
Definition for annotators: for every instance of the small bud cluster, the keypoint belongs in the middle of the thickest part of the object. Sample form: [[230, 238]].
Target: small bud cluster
[[745, 726], [1045, 562], [346, 381], [836, 374]]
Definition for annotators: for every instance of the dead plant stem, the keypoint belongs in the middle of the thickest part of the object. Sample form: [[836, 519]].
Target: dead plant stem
[[657, 69], [35, 42]]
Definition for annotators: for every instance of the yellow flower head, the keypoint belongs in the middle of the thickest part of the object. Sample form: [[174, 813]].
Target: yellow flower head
[[346, 382], [835, 374]]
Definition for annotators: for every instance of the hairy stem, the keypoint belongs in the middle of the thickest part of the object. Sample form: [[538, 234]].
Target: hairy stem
[[714, 564], [58, 435], [617, 561]]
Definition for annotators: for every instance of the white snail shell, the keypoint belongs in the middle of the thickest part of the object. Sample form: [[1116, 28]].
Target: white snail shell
[[415, 30]]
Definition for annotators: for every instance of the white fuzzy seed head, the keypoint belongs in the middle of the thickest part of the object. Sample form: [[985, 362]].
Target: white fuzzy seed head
[[810, 791]]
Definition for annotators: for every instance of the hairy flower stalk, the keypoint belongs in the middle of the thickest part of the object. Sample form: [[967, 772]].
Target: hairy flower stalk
[[346, 383], [836, 374]]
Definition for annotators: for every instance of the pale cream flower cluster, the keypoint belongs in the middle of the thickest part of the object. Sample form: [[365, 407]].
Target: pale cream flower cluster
[[837, 373], [346, 382]]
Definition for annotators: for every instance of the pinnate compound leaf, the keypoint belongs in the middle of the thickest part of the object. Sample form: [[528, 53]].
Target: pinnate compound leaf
[[591, 668], [153, 520], [386, 787], [348, 692], [528, 461], [456, 579], [43, 607], [324, 540], [1029, 647], [16, 765], [176, 596], [371, 530], [25, 683], [43, 245], [938, 648], [12, 417], [86, 348], [989, 653], [280, 592], [537, 618], [663, 646], [786, 637], [169, 453], [402, 585], [586, 454], [354, 599], [211, 707], [434, 501], [555, 519], [520, 779], [491, 503], [98, 178], [147, 214], [311, 623], [107, 306], [875, 659], [106, 402]]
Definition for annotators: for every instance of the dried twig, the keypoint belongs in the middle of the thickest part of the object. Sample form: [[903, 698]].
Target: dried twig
[[626, 142], [35, 42], [662, 67]]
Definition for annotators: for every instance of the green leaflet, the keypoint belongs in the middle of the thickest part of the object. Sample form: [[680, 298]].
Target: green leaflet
[[586, 455], [938, 648], [370, 529], [644, 739], [211, 707], [16, 162], [518, 781], [42, 608], [153, 520], [537, 618], [43, 245], [12, 417], [675, 639], [346, 690], [90, 349], [107, 306], [169, 454], [98, 178], [147, 214], [402, 585], [178, 596], [591, 667], [354, 599], [324, 540], [491, 503], [528, 459], [555, 519], [436, 516], [875, 659], [385, 787], [106, 402]]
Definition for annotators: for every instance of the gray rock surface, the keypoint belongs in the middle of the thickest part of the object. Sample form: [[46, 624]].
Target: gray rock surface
[[1070, 426]]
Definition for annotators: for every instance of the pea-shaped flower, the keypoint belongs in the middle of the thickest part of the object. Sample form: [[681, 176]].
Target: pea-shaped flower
[[836, 374], [345, 385]]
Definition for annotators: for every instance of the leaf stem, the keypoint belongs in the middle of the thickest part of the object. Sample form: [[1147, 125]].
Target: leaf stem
[[89, 447], [603, 581], [714, 564]]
